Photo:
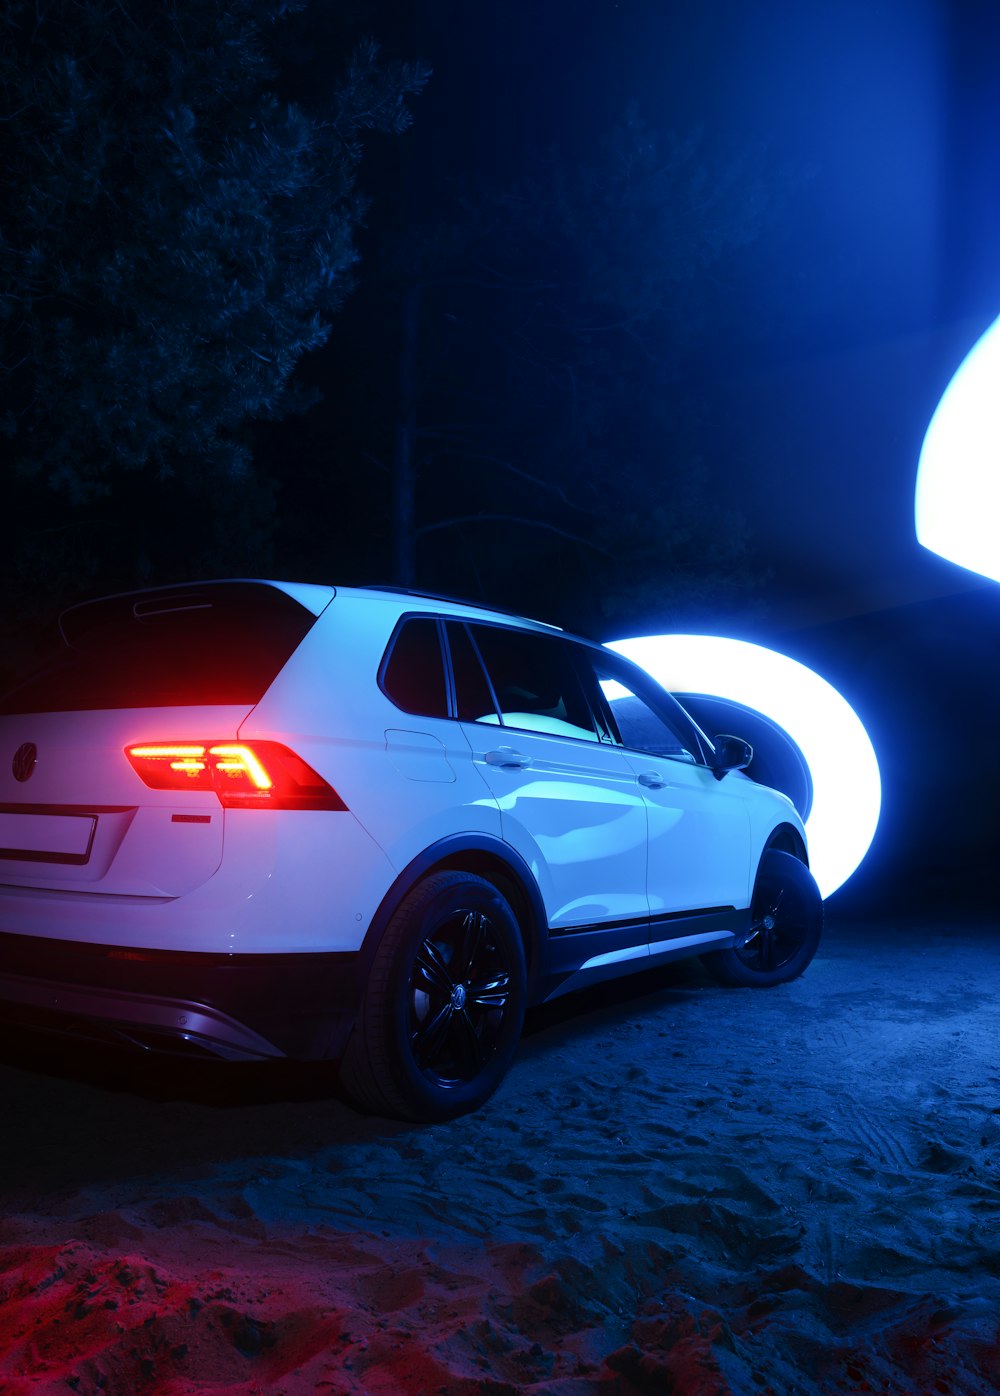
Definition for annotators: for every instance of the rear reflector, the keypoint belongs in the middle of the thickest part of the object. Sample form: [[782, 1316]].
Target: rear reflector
[[261, 775]]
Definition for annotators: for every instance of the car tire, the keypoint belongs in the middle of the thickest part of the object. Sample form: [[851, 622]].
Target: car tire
[[442, 1012], [786, 921]]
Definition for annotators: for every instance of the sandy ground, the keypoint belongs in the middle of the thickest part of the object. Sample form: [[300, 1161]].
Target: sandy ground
[[680, 1188]]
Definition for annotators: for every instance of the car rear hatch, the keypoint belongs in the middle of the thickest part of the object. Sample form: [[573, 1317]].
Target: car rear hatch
[[183, 665]]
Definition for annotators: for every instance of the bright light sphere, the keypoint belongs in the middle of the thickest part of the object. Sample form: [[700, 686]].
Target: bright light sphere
[[958, 479], [847, 790]]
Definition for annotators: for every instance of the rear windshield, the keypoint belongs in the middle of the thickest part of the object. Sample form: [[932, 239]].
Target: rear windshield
[[186, 646]]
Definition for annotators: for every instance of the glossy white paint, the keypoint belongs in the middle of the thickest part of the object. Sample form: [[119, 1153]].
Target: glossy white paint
[[699, 836], [139, 849], [847, 792], [327, 706], [173, 870], [574, 807], [280, 888]]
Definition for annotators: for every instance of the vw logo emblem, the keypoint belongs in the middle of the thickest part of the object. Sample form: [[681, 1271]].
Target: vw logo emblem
[[24, 761]]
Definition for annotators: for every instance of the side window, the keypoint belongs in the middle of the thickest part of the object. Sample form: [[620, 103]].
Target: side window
[[413, 676], [641, 726], [535, 682], [473, 698]]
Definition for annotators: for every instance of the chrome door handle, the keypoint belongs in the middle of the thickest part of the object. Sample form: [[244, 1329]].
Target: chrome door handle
[[652, 780], [508, 759]]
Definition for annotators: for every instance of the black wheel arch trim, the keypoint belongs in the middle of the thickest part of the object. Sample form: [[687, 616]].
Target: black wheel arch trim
[[461, 853], [787, 839]]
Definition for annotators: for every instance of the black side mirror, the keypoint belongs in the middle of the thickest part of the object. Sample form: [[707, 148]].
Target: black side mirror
[[731, 754]]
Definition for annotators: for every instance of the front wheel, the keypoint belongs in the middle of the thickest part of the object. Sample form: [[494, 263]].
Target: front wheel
[[444, 1005], [786, 921]]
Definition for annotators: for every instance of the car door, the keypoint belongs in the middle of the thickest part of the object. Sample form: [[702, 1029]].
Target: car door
[[425, 789], [699, 826], [569, 803]]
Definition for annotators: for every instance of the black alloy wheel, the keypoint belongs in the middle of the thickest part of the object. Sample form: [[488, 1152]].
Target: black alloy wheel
[[786, 921], [779, 926], [444, 1005], [460, 991]]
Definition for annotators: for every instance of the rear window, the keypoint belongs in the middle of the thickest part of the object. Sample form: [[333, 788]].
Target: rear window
[[178, 646]]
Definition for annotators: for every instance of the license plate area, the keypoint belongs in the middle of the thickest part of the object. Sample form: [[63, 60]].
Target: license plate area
[[47, 837]]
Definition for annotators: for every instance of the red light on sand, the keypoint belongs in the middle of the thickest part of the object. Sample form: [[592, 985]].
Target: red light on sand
[[265, 775]]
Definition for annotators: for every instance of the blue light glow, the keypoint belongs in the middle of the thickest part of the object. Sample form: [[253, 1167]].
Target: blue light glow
[[958, 479], [847, 790]]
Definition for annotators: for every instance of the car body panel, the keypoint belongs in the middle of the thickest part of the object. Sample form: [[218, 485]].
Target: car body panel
[[146, 843], [576, 801], [368, 750], [611, 871], [699, 837], [274, 892]]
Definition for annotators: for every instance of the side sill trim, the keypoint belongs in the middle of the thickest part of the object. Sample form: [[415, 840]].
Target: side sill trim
[[660, 949], [667, 949], [615, 957], [663, 918]]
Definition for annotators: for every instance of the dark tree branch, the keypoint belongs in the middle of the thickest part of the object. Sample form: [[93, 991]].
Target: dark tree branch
[[512, 518], [467, 453]]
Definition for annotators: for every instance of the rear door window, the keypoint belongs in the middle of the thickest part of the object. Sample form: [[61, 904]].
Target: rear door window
[[473, 696], [535, 682]]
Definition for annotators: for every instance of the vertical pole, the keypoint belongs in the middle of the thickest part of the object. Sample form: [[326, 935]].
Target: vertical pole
[[404, 467]]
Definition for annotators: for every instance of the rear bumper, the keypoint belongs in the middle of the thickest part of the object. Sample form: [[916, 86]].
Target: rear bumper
[[237, 1007]]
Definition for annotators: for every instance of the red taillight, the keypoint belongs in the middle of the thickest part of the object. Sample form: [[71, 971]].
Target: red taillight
[[244, 775]]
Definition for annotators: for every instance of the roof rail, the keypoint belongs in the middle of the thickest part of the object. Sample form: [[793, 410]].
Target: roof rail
[[453, 600]]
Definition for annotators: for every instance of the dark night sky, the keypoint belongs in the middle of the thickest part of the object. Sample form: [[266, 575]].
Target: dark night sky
[[870, 282], [871, 128], [867, 286]]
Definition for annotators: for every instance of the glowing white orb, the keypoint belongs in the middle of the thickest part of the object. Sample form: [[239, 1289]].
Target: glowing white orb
[[847, 791], [958, 479]]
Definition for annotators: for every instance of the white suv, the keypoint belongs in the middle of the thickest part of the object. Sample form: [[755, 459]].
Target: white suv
[[257, 819]]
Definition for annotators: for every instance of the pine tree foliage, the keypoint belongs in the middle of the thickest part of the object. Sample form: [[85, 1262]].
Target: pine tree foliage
[[174, 238]]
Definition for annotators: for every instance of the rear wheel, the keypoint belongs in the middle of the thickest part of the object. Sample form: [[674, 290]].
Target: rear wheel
[[786, 921], [442, 1012]]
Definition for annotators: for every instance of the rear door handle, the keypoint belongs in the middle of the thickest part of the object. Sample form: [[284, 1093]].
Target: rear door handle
[[508, 759], [652, 780]]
